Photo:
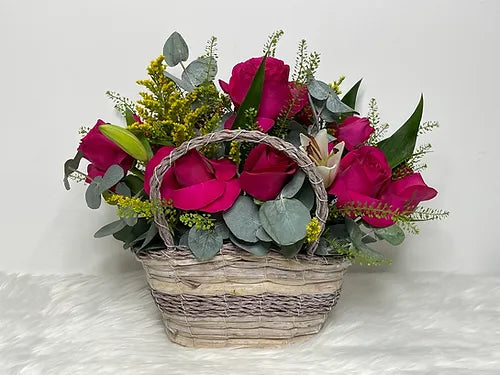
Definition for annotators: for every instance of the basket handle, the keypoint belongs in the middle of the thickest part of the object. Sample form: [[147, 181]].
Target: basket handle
[[254, 136]]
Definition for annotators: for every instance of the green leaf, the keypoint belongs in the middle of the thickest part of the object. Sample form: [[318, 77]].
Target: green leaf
[[123, 189], [129, 235], [147, 146], [110, 228], [134, 183], [393, 234], [150, 235], [263, 236], [258, 248], [70, 166], [112, 176], [129, 116], [349, 98], [130, 220], [126, 140], [335, 105], [175, 49], [222, 229], [293, 187], [242, 219], [204, 244], [93, 194], [306, 195], [319, 90], [400, 146], [253, 96], [365, 252], [200, 71], [185, 85], [183, 241], [291, 250], [285, 220]]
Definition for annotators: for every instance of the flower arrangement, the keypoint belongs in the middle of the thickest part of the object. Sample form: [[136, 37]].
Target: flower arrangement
[[254, 195]]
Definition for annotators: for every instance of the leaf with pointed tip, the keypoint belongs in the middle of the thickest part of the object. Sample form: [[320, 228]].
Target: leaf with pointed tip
[[70, 166], [400, 146], [130, 221], [356, 236], [293, 187], [350, 97], [175, 49], [253, 96], [257, 248], [200, 71], [134, 183], [129, 116], [185, 85], [150, 235], [204, 244], [335, 105], [123, 189], [110, 228]]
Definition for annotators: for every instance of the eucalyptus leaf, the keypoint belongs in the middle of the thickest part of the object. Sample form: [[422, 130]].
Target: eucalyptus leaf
[[183, 241], [175, 49], [130, 221], [350, 97], [291, 251], [293, 187], [70, 166], [204, 244], [123, 189], [150, 235], [253, 96], [393, 234], [112, 176], [258, 248], [335, 105], [243, 219], [134, 183], [369, 239], [319, 90], [110, 228], [306, 195], [93, 194], [400, 146], [356, 236], [200, 71], [222, 229], [263, 236], [285, 220], [185, 85]]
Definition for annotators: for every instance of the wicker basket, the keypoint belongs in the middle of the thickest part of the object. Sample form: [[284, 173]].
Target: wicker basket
[[236, 298]]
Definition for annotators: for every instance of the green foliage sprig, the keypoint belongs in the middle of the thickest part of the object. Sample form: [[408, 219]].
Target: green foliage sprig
[[374, 118], [306, 64], [199, 221], [272, 42]]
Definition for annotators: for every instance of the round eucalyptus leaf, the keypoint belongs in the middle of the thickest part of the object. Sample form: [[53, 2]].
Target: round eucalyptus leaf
[[294, 185], [319, 90], [393, 234], [93, 195], [258, 248], [200, 71], [110, 228], [291, 250], [306, 195], [242, 219], [183, 241], [112, 176], [335, 105], [263, 236], [185, 85], [175, 49], [222, 229], [285, 220], [204, 244]]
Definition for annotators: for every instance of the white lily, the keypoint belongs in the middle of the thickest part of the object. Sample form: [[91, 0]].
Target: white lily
[[327, 163]]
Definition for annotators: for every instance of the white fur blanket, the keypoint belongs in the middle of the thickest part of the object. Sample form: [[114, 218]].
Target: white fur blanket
[[384, 324]]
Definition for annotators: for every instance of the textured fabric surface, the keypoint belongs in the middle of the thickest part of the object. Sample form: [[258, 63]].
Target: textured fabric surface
[[384, 324]]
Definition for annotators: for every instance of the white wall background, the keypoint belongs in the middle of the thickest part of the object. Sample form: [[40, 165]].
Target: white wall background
[[59, 57]]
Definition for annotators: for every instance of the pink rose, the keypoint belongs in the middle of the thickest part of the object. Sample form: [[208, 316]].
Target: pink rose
[[407, 192], [276, 92], [265, 172], [195, 182], [102, 153], [354, 131]]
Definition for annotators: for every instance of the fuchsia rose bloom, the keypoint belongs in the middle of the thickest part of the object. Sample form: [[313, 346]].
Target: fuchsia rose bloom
[[102, 153], [354, 131], [195, 182], [364, 177], [276, 92], [265, 172]]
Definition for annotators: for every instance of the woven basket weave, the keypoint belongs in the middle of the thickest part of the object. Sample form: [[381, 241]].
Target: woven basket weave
[[236, 298]]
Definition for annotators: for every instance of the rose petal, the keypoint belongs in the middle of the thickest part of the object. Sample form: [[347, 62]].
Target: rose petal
[[231, 192], [195, 197], [193, 168], [265, 123], [371, 202], [225, 169], [263, 186], [224, 86], [155, 160]]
